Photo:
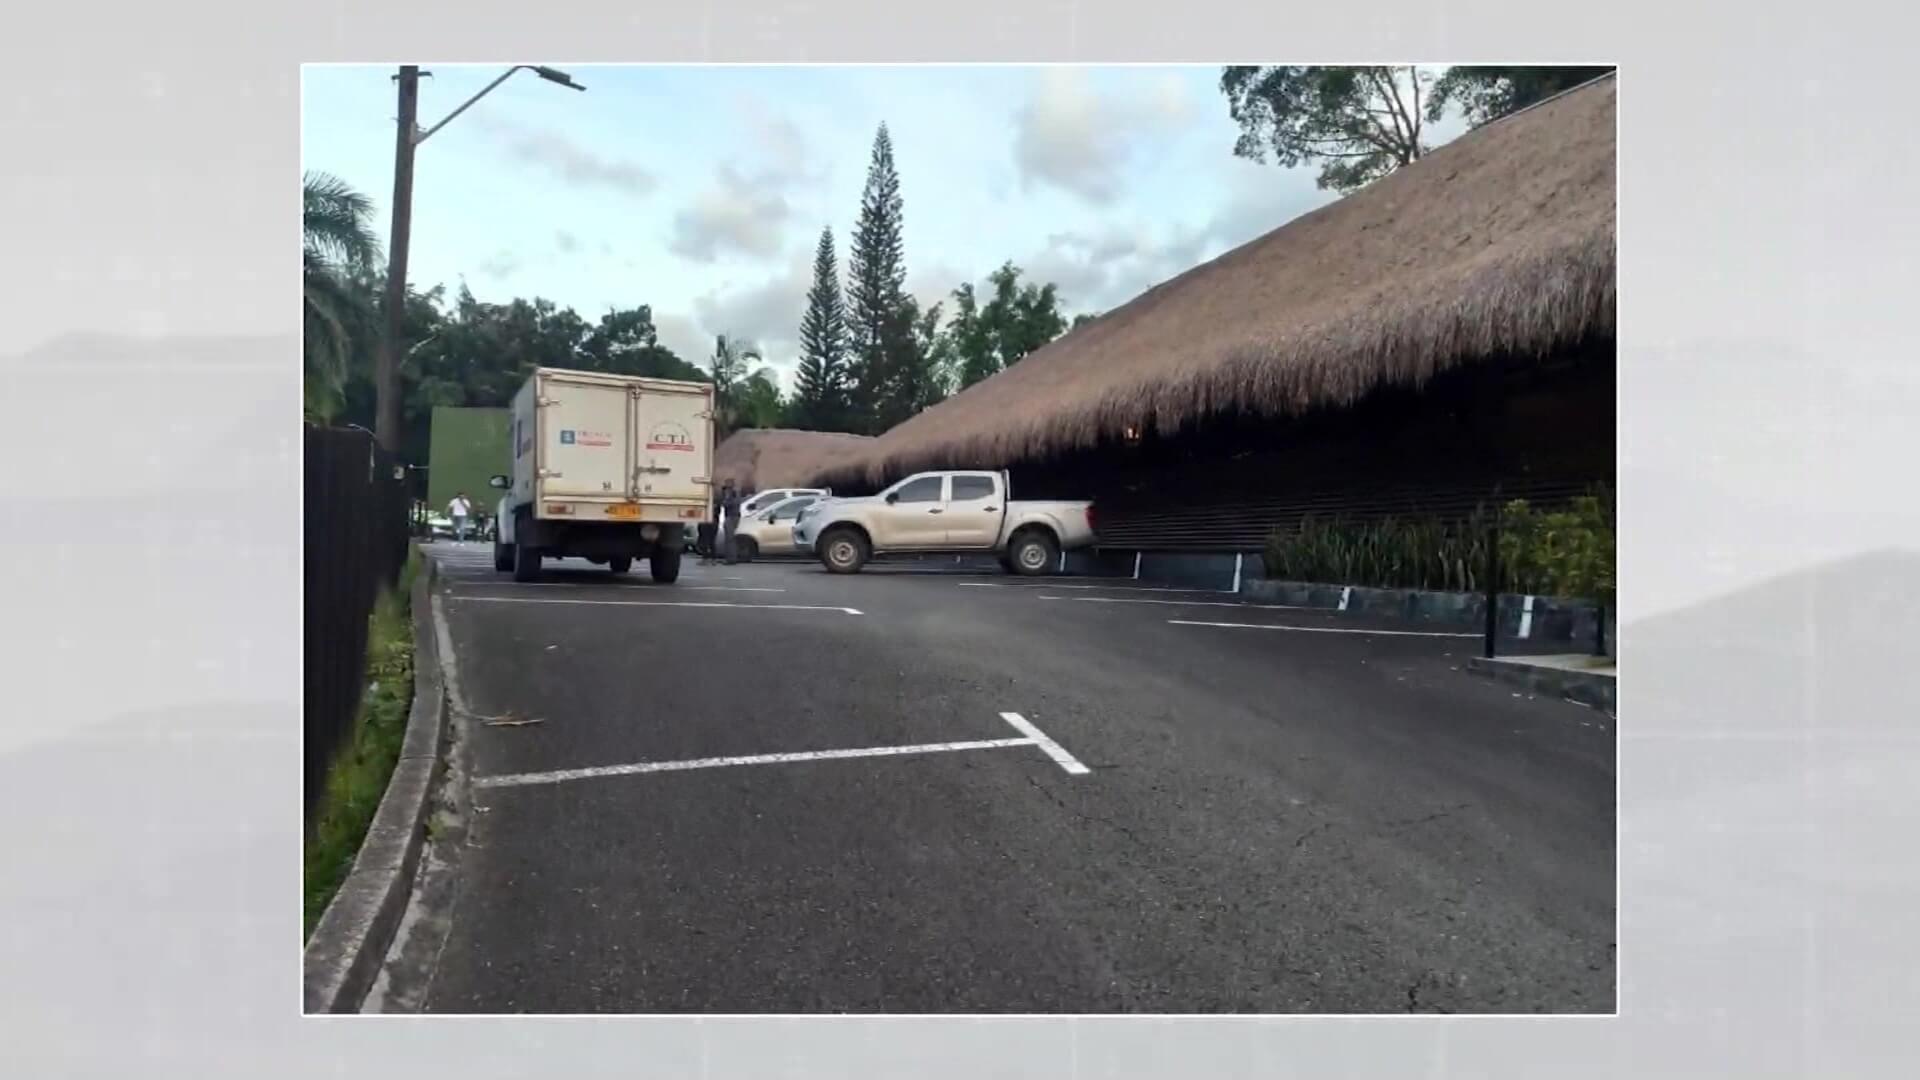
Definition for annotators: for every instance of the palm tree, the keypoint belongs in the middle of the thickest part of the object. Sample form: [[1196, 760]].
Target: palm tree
[[339, 250], [739, 396]]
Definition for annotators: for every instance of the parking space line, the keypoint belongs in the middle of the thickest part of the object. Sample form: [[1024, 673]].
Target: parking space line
[[1322, 629], [623, 585], [1183, 603], [1039, 738], [654, 603], [1099, 588], [559, 776]]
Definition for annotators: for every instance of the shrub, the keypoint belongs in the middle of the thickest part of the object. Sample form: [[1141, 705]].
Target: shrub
[[1567, 552]]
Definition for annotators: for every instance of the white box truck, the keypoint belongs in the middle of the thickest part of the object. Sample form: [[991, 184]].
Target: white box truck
[[606, 468]]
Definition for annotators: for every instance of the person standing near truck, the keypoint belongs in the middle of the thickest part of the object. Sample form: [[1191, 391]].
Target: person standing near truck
[[729, 519], [459, 510]]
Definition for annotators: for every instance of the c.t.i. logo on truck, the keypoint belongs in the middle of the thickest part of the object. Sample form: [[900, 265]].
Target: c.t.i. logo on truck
[[669, 436]]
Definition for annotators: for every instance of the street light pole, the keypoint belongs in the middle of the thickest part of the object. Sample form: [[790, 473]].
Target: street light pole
[[387, 360], [386, 377]]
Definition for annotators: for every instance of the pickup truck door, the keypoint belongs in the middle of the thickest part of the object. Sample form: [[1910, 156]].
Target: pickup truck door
[[916, 518], [976, 508]]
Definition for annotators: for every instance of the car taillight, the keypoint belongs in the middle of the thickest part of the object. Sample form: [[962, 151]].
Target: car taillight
[[1090, 516]]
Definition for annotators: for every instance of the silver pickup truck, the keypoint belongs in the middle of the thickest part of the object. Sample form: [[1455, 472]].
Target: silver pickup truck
[[944, 513]]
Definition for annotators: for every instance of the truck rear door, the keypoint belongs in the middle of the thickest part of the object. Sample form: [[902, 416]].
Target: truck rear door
[[975, 510], [672, 443], [584, 437]]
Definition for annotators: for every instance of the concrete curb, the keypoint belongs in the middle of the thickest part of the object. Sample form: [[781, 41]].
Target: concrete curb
[[1586, 687], [350, 943], [1526, 618]]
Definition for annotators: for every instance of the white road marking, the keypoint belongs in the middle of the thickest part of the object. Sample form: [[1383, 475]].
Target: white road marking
[[610, 584], [1182, 603], [1039, 738], [654, 603], [559, 776], [449, 672], [1094, 588], [1320, 629]]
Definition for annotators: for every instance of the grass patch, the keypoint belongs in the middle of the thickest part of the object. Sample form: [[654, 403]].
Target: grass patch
[[358, 778]]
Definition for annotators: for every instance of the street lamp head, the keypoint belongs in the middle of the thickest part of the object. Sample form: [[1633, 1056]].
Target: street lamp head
[[555, 75]]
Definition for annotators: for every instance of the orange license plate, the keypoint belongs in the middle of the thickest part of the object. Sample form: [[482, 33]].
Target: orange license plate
[[623, 511]]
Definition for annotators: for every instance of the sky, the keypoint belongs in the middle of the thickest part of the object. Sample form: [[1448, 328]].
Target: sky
[[702, 190]]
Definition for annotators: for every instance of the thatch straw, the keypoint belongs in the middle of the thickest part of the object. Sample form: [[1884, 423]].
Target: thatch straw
[[758, 458], [1501, 242]]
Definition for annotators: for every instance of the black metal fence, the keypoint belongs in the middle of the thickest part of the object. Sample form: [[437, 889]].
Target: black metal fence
[[356, 543]]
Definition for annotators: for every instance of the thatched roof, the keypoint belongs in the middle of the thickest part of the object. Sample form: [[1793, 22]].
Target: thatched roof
[[760, 458], [1501, 241]]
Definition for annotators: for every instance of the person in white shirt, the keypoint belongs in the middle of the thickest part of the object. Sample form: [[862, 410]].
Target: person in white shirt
[[459, 510]]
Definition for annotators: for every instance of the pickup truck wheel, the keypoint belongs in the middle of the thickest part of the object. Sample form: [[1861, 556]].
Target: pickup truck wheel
[[502, 556], [664, 565], [844, 551], [1033, 553], [620, 564], [526, 563]]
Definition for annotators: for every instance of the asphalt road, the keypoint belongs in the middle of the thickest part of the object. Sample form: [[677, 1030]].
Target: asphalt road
[[1196, 819]]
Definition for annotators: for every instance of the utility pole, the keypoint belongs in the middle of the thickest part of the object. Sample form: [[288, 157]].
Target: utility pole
[[387, 361], [386, 371]]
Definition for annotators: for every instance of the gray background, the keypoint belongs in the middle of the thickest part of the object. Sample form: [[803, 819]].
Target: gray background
[[149, 750]]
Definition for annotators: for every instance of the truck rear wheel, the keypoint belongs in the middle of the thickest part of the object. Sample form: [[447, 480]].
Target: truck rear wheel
[[526, 563], [664, 565], [620, 564], [1033, 553], [502, 556], [844, 551]]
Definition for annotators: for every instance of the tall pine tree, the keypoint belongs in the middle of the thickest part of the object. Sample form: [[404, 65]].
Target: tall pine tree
[[820, 400], [880, 331]]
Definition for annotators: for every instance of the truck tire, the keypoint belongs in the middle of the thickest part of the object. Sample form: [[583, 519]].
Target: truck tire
[[744, 549], [526, 563], [620, 564], [502, 556], [664, 565], [844, 551], [1033, 553]]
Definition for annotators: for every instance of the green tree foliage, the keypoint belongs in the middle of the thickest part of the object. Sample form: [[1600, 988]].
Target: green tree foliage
[[821, 393], [1016, 320], [1485, 93], [1356, 123], [338, 249], [744, 396], [888, 370]]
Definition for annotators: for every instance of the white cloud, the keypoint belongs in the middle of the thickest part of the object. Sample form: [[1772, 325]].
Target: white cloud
[[566, 242], [741, 214], [571, 162], [765, 315], [501, 265], [1069, 136]]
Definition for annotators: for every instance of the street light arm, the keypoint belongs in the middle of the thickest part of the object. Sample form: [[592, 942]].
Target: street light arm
[[465, 105]]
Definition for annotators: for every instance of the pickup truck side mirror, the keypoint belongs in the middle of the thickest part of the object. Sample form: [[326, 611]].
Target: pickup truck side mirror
[[767, 517], [893, 497], [500, 482]]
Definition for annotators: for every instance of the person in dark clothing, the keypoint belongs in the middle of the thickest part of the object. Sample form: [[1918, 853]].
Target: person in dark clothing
[[729, 520]]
